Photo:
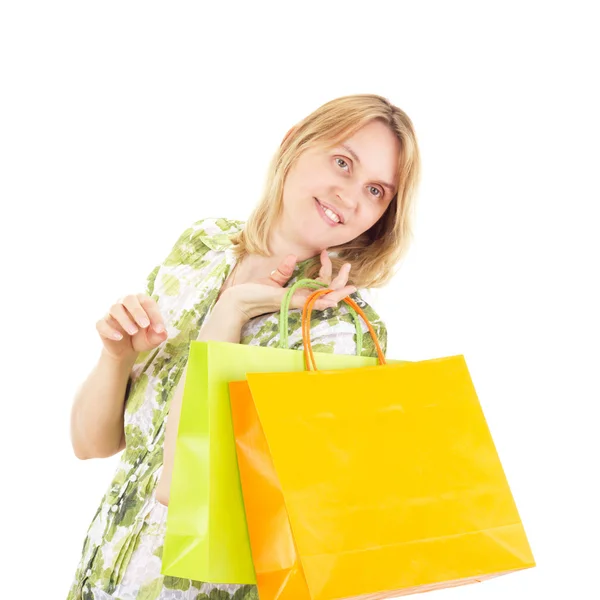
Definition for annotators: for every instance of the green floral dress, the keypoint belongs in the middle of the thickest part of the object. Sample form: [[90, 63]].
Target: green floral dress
[[122, 551]]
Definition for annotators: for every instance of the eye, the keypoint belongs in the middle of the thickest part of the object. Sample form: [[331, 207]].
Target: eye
[[338, 158], [381, 192]]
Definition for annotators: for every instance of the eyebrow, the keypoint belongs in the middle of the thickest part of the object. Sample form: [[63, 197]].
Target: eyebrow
[[389, 186]]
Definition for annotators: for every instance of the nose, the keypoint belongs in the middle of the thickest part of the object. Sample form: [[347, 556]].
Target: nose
[[348, 198]]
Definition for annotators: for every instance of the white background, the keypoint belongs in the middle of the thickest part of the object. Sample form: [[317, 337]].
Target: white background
[[123, 123]]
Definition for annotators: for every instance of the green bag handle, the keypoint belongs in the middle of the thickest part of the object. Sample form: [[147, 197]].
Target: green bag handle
[[285, 307]]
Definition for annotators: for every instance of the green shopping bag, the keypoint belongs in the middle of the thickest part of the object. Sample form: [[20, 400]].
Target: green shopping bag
[[206, 534]]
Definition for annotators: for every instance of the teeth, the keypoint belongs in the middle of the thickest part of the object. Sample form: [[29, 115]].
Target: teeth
[[330, 214]]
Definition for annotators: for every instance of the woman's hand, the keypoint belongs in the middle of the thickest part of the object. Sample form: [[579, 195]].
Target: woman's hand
[[266, 294], [132, 325]]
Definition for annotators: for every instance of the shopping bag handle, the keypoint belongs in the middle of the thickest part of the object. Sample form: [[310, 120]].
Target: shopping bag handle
[[309, 357], [285, 306]]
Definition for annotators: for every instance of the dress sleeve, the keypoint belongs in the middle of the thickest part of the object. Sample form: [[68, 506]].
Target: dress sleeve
[[150, 281], [188, 249]]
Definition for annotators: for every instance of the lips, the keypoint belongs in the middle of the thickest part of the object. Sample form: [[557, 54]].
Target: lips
[[337, 212]]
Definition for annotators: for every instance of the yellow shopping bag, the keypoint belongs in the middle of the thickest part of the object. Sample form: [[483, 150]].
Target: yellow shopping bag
[[206, 537], [373, 482]]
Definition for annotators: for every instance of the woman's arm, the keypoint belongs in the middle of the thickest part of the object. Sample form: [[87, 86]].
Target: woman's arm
[[97, 411], [224, 325]]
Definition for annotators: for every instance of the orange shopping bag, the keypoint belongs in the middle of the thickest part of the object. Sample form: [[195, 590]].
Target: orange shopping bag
[[371, 482]]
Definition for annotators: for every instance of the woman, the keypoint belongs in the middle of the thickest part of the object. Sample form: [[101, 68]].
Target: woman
[[344, 179]]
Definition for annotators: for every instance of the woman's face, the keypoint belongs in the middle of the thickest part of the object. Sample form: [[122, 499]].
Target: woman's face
[[352, 186]]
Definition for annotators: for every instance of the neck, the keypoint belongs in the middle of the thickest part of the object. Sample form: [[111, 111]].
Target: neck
[[281, 243], [284, 240]]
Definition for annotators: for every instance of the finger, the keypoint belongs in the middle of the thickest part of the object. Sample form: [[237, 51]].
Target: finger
[[320, 304], [328, 300], [108, 328], [342, 277], [300, 296], [136, 310], [151, 308], [337, 296], [323, 304], [123, 318], [285, 270], [326, 268]]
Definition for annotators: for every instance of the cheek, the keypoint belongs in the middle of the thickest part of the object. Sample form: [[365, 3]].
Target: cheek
[[309, 178], [295, 183], [367, 216]]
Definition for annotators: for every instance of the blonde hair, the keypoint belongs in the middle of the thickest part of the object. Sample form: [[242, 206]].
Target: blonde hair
[[374, 253]]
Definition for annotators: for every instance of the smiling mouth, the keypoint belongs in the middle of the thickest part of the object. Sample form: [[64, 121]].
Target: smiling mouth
[[329, 215]]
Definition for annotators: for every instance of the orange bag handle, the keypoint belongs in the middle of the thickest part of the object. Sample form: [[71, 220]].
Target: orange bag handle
[[309, 357]]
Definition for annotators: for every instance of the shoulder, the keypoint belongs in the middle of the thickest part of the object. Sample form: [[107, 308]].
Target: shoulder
[[210, 233], [215, 232]]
